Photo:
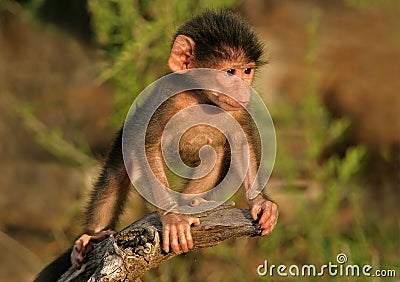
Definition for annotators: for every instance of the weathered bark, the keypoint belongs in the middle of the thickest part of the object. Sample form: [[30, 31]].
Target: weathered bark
[[128, 254]]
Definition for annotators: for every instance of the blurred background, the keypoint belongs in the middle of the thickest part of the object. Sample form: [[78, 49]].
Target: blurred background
[[70, 69]]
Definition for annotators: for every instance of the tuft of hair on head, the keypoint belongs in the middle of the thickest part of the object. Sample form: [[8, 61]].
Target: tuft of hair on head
[[222, 36]]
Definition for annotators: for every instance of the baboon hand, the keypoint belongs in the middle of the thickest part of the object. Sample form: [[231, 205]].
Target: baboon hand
[[84, 244], [266, 212], [176, 232]]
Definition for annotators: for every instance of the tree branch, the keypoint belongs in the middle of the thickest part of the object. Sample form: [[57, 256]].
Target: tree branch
[[138, 248]]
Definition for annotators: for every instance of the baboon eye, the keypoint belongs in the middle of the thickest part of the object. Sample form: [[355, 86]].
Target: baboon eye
[[248, 71], [230, 71]]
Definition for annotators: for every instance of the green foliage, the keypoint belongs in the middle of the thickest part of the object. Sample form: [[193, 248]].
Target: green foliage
[[136, 37], [30, 9], [319, 233], [33, 6], [4, 4], [53, 139], [371, 4]]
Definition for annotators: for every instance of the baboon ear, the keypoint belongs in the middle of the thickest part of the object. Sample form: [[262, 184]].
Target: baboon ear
[[182, 52]]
